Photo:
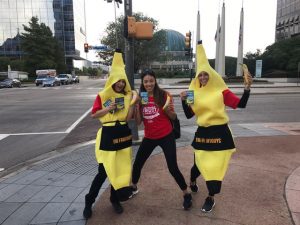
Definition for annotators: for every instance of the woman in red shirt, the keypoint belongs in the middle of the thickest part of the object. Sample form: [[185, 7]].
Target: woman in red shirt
[[156, 115]]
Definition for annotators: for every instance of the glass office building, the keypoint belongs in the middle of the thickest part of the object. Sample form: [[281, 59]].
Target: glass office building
[[287, 20], [66, 19]]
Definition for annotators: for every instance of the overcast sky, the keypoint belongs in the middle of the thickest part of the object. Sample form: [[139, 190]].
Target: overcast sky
[[181, 15]]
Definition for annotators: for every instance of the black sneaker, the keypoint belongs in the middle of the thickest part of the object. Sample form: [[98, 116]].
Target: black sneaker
[[117, 207], [187, 201], [194, 187], [208, 205], [87, 212], [135, 190]]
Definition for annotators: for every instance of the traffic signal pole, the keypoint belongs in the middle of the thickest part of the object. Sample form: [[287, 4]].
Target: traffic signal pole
[[129, 62]]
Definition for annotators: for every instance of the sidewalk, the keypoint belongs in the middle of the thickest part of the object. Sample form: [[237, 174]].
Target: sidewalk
[[255, 190], [262, 185]]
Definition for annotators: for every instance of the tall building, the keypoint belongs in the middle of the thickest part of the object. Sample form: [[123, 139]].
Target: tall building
[[66, 19], [287, 20]]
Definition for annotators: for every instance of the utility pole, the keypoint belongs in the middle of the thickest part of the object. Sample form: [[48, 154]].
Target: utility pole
[[129, 62]]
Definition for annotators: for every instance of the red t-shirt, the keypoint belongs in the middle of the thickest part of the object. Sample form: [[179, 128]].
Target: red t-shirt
[[97, 104], [230, 99], [156, 123]]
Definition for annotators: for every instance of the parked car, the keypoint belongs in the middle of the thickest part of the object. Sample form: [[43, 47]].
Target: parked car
[[51, 82], [40, 79], [9, 83], [65, 78], [75, 79]]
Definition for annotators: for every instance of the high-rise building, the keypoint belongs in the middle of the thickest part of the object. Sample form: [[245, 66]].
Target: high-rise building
[[66, 19], [287, 20]]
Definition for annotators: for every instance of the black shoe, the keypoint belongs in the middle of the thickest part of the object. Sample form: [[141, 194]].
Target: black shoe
[[187, 201], [208, 205], [87, 212], [194, 187], [117, 207], [135, 190]]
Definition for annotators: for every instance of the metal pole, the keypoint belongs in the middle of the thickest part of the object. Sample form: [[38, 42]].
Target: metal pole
[[298, 73], [130, 64]]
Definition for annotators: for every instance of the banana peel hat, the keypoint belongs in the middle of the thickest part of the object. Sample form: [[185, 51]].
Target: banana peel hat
[[117, 73], [215, 81]]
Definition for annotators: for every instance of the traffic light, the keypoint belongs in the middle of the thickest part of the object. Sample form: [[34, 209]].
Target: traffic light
[[129, 27], [188, 38], [138, 30], [86, 47]]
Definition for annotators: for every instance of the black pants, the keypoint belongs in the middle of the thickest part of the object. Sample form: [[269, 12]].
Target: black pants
[[96, 185], [213, 186], [168, 146]]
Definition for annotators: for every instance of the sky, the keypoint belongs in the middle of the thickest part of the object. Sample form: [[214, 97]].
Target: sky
[[181, 15]]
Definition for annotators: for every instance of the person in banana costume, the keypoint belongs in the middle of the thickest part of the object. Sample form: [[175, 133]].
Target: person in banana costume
[[113, 106], [156, 109], [213, 142]]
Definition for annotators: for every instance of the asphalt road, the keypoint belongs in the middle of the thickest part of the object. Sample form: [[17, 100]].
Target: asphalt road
[[36, 120]]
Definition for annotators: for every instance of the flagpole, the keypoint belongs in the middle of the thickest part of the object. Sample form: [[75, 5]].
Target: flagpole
[[217, 39], [198, 33], [221, 69], [240, 46]]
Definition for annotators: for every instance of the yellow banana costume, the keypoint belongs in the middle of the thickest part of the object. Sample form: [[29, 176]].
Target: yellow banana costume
[[114, 140], [213, 143]]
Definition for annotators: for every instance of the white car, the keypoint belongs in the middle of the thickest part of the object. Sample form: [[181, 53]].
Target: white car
[[65, 78]]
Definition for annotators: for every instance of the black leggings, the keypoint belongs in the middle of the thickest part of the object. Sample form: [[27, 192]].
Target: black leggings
[[168, 146], [96, 185]]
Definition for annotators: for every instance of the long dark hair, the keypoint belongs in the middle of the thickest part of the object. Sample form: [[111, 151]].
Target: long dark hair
[[158, 93]]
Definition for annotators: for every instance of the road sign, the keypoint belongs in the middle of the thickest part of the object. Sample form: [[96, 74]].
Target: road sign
[[100, 47]]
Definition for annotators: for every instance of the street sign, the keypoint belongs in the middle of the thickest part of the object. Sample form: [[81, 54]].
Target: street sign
[[100, 47]]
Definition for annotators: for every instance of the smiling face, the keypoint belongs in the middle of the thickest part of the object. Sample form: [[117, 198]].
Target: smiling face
[[119, 86], [149, 83], [203, 78]]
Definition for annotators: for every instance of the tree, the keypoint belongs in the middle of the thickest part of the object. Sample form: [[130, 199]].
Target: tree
[[144, 51], [42, 50], [282, 55], [250, 60], [15, 64]]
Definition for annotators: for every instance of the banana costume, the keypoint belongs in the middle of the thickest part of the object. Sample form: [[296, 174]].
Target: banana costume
[[213, 143], [114, 140]]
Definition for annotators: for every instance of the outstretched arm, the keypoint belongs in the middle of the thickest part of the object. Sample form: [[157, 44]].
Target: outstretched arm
[[244, 99]]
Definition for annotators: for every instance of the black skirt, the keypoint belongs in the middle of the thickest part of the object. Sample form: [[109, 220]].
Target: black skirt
[[116, 137], [213, 138]]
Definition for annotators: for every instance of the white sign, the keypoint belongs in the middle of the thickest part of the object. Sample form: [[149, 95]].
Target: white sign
[[258, 68]]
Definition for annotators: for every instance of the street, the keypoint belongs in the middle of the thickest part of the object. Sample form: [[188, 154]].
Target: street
[[36, 120]]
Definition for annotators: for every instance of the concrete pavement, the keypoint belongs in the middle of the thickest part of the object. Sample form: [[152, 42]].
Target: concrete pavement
[[262, 185]]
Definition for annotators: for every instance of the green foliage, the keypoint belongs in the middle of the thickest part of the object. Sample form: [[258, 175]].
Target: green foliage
[[15, 64], [144, 51], [250, 60], [282, 55], [42, 50], [88, 71], [4, 61]]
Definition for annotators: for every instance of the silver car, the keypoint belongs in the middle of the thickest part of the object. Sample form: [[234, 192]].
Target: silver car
[[10, 83], [65, 78], [51, 82]]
